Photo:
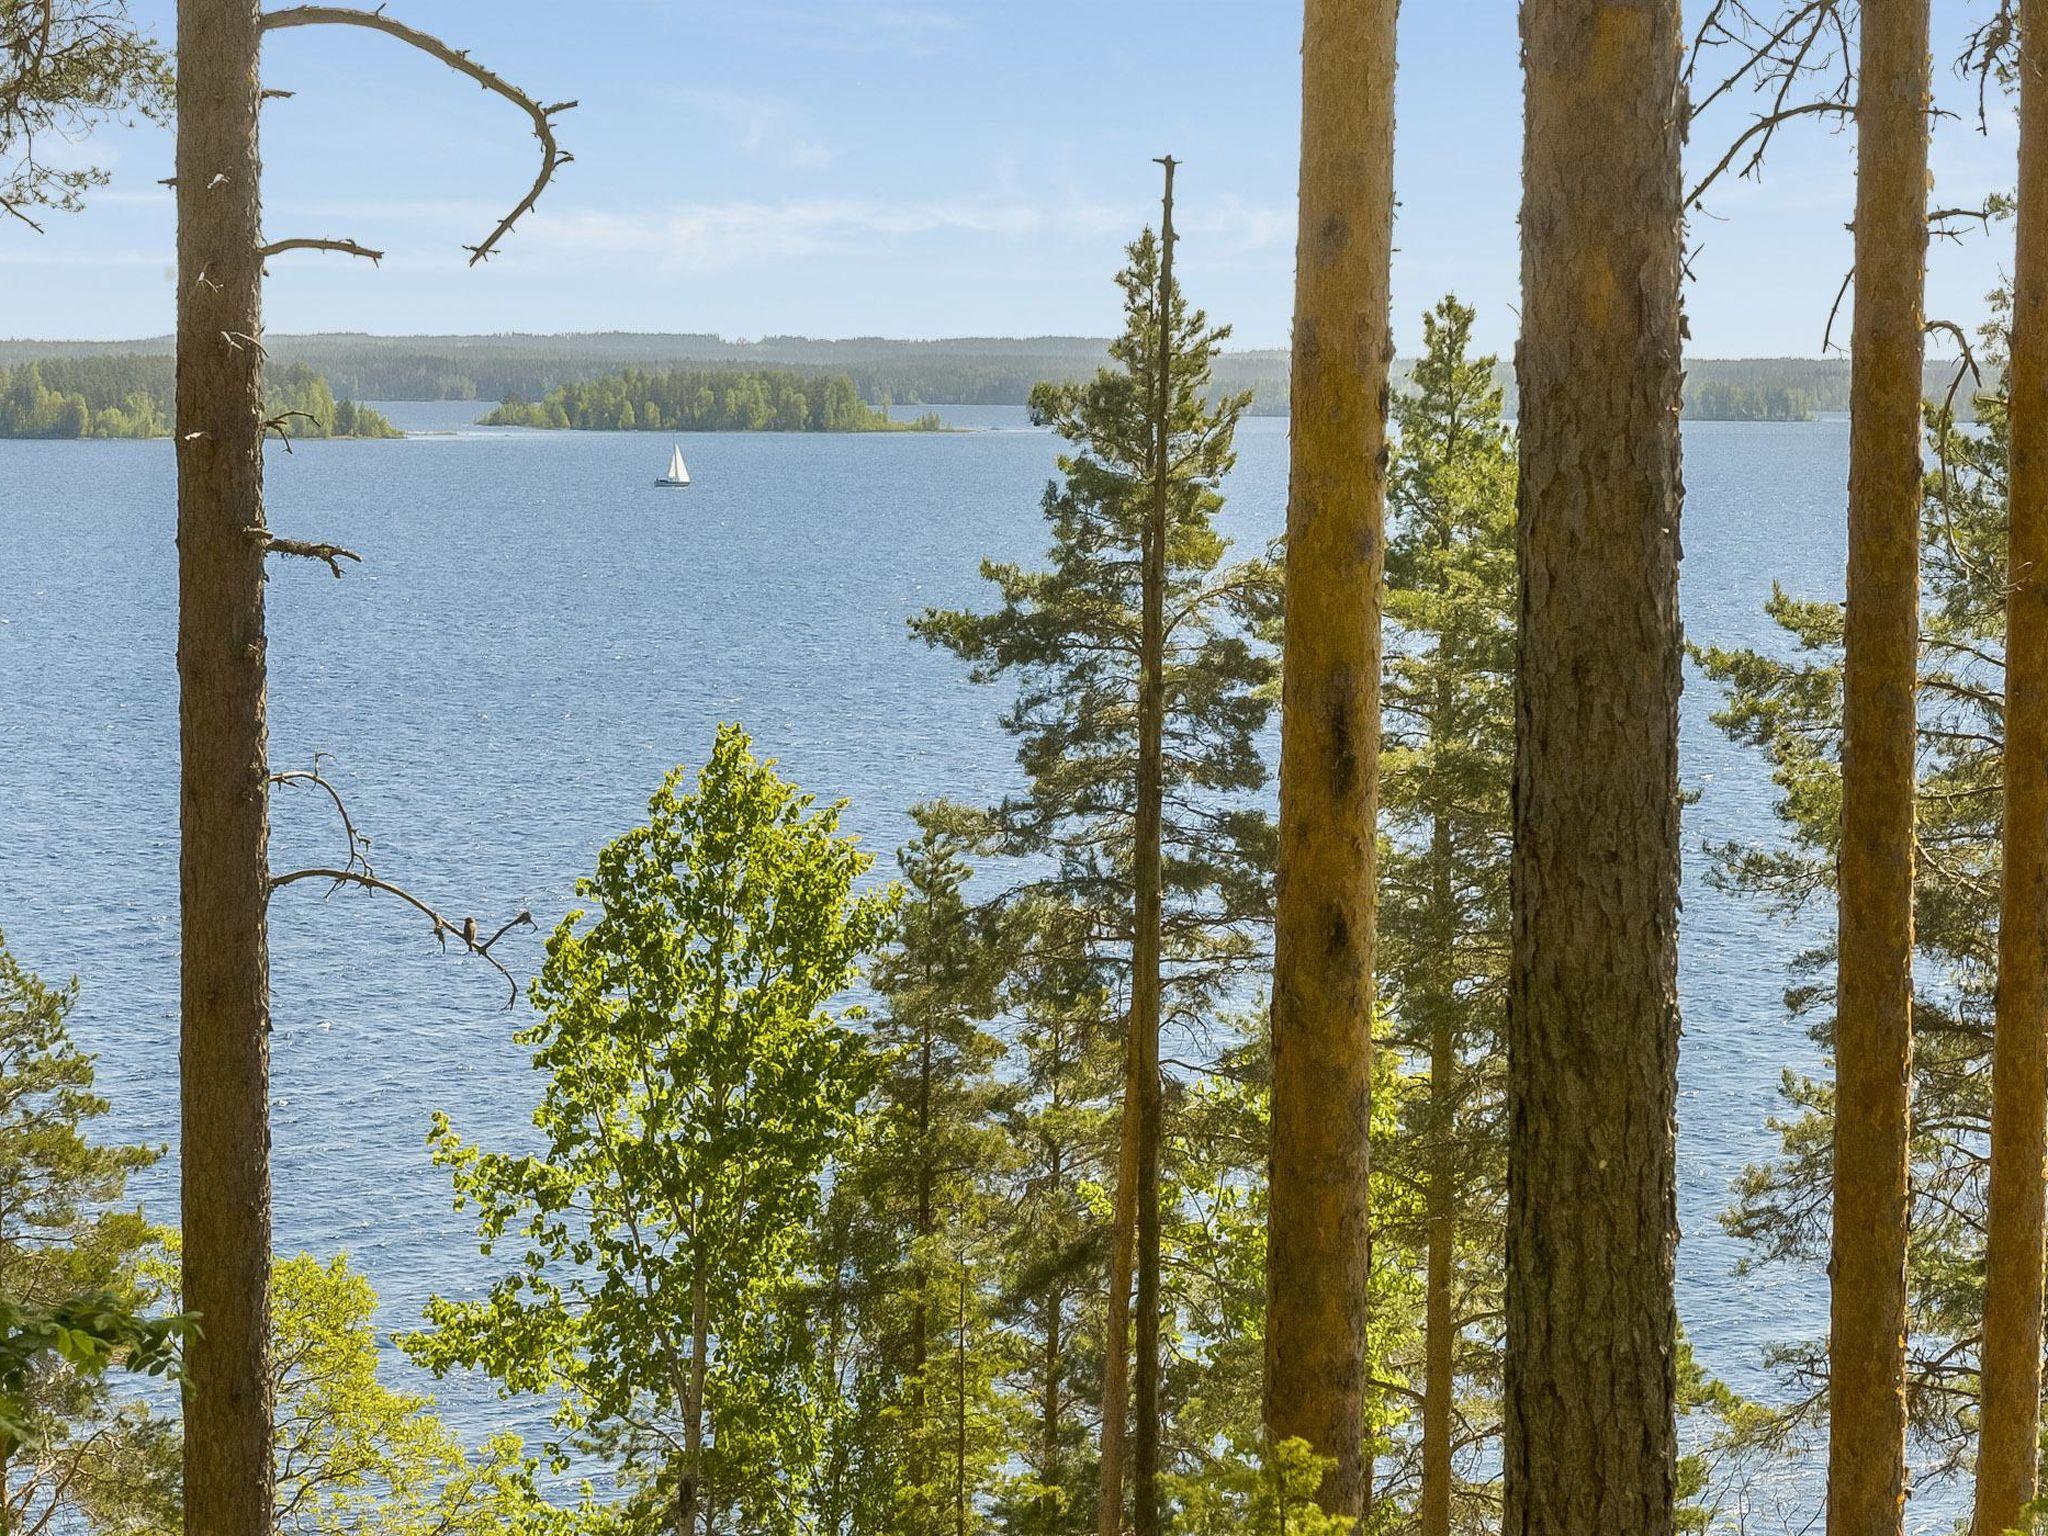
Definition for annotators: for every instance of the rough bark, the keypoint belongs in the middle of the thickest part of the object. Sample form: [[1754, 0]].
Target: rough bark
[[1329, 746], [1116, 1328], [2009, 1448], [1149, 881], [1590, 1440], [224, 1051], [1874, 996]]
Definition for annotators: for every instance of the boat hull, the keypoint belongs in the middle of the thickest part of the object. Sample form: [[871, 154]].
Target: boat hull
[[676, 485]]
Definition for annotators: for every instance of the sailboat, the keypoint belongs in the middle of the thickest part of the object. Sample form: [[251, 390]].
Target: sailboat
[[678, 472]]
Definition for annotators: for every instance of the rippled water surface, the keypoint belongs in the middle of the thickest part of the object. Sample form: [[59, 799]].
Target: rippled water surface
[[537, 633]]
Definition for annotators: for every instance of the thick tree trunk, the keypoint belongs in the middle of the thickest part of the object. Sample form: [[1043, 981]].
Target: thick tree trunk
[[1874, 995], [2009, 1447], [1329, 746], [1149, 878], [1590, 1440], [224, 1051]]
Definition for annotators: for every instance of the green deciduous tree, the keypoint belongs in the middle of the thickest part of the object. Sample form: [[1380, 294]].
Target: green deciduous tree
[[75, 1294], [697, 1083]]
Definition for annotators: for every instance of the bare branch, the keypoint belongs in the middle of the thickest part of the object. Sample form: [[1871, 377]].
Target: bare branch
[[1761, 132], [345, 247], [304, 549], [552, 155], [355, 871]]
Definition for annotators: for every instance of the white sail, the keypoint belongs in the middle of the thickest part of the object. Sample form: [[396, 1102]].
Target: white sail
[[678, 471]]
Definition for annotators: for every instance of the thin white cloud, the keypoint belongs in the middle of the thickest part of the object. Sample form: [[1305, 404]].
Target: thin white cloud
[[718, 236], [764, 127]]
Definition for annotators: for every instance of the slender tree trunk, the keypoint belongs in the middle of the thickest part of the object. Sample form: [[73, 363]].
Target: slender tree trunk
[[1146, 958], [920, 1322], [1329, 747], [1049, 1410], [690, 1497], [1590, 1385], [1874, 995], [2009, 1445], [224, 822], [1116, 1328], [1440, 1339], [960, 1414]]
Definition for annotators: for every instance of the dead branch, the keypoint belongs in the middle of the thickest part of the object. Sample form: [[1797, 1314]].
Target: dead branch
[[304, 549], [345, 247], [355, 871], [552, 155], [279, 422], [1761, 132]]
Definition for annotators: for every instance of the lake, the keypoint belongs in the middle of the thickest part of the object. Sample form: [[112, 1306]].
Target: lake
[[537, 633]]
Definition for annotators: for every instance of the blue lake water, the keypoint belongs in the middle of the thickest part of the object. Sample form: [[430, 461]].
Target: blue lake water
[[537, 633]]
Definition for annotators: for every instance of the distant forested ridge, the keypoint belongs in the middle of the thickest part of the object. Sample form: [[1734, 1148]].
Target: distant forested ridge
[[130, 395], [706, 400], [968, 370]]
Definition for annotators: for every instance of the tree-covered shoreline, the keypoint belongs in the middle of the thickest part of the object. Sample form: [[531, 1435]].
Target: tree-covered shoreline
[[130, 396], [707, 400]]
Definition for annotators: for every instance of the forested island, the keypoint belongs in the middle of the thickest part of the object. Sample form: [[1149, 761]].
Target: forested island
[[1738, 400], [131, 395], [707, 400]]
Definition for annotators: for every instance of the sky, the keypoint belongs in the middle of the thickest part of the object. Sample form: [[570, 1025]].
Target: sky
[[918, 168]]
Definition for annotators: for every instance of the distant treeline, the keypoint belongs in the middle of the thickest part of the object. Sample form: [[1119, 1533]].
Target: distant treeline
[[1732, 400], [970, 370], [706, 400], [132, 395]]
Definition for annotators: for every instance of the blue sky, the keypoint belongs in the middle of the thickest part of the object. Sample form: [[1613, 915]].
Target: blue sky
[[911, 168]]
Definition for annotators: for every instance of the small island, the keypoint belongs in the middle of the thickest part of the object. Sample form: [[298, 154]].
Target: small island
[[133, 395], [1732, 400], [708, 400]]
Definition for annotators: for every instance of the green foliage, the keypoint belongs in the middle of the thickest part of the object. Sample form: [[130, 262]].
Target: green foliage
[[67, 66], [1245, 1493], [1740, 400], [697, 1086], [706, 400], [1787, 705], [1446, 763], [355, 1457], [132, 396], [1067, 636], [75, 1292]]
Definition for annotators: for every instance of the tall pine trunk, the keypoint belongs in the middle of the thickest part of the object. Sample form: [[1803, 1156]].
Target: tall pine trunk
[[1440, 1328], [1590, 1384], [223, 806], [1874, 995], [2009, 1447], [1146, 958], [1116, 1328], [1329, 746]]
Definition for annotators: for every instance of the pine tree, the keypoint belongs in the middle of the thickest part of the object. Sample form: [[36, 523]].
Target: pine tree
[[1074, 637], [1317, 1322], [2008, 1466], [1874, 1012], [1447, 759], [1590, 1376]]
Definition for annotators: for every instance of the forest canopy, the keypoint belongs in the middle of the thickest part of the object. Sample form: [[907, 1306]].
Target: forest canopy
[[131, 396], [707, 400]]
